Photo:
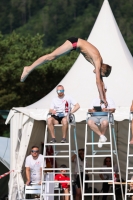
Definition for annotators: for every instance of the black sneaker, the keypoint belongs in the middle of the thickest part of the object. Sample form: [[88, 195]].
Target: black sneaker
[[63, 140], [53, 140]]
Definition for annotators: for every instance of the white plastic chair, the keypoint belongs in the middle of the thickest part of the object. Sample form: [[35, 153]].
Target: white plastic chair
[[32, 189]]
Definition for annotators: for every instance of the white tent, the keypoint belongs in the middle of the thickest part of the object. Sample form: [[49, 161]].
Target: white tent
[[79, 83]]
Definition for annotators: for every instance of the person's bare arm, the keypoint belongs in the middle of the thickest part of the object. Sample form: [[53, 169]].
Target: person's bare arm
[[103, 88], [40, 176], [27, 175], [91, 110], [75, 108], [101, 176], [52, 111], [131, 108], [100, 83], [73, 157], [131, 184], [112, 110]]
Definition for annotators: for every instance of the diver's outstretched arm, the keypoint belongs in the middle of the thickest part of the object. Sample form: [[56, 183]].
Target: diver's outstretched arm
[[100, 84]]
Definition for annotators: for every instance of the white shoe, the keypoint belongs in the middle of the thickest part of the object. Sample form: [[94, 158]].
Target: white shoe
[[100, 145], [101, 140]]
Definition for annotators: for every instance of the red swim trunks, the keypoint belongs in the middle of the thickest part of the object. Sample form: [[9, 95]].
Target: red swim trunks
[[74, 41]]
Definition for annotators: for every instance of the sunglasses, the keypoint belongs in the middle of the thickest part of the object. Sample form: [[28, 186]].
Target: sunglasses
[[34, 151], [60, 91]]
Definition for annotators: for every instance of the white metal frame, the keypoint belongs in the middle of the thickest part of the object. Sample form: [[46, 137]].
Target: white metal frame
[[129, 156], [68, 152], [57, 188], [96, 170]]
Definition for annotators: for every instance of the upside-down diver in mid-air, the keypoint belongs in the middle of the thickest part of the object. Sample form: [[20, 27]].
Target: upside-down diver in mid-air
[[90, 53]]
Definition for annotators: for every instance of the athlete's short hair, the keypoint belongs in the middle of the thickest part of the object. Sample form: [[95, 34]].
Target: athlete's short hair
[[63, 166], [60, 86], [35, 147], [107, 70], [105, 160], [81, 149]]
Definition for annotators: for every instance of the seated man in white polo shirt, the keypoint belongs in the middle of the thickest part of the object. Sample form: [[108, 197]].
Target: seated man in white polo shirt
[[60, 109], [34, 164], [102, 120]]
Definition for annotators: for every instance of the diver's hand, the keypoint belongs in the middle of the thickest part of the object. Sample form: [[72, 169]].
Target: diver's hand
[[104, 102]]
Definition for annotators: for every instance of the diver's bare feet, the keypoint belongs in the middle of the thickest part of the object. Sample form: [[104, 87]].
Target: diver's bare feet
[[25, 73], [131, 142]]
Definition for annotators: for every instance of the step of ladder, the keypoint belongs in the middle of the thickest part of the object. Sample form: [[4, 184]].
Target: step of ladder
[[56, 156], [57, 144], [101, 154]]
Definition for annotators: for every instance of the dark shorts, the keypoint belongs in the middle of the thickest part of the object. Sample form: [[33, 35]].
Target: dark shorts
[[78, 180], [74, 41], [59, 119]]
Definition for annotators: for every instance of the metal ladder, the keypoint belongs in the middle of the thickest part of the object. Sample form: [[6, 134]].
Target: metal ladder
[[103, 153], [72, 123], [129, 166]]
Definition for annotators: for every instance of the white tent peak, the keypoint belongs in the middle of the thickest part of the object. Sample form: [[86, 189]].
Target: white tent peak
[[80, 81], [106, 31]]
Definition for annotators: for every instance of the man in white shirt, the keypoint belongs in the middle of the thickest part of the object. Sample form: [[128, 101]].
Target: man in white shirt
[[102, 120], [60, 109], [34, 164]]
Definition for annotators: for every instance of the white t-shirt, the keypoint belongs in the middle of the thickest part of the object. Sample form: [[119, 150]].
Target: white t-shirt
[[35, 167], [59, 104], [108, 176], [96, 102], [81, 165]]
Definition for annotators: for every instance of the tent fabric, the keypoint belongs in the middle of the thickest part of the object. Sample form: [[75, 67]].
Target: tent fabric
[[79, 83], [120, 114], [20, 137]]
